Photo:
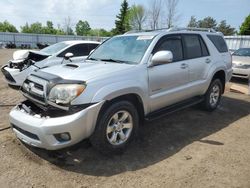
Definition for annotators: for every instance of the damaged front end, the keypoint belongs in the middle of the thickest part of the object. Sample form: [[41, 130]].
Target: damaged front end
[[17, 70], [22, 59]]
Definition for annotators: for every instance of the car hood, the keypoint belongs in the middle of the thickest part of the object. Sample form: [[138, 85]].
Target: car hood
[[241, 60], [23, 54], [86, 71]]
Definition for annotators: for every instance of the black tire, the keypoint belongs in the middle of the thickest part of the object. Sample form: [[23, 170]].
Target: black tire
[[207, 104], [99, 138]]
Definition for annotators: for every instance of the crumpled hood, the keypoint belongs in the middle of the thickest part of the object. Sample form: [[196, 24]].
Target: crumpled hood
[[86, 71], [23, 54], [241, 60]]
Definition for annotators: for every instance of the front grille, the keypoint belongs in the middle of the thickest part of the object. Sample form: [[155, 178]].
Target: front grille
[[36, 85], [34, 88], [26, 133]]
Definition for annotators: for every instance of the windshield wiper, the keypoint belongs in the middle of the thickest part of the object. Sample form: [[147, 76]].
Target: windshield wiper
[[117, 61], [111, 60], [93, 59]]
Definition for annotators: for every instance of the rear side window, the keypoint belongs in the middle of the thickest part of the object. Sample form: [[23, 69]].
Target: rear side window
[[174, 45], [192, 46], [219, 43]]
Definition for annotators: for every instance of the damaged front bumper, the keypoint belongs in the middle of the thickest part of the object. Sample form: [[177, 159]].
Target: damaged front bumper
[[16, 77], [42, 130]]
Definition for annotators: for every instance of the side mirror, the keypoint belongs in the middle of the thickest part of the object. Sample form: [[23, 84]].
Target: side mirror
[[162, 57], [68, 55]]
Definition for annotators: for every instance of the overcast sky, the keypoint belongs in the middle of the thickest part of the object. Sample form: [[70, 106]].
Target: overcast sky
[[102, 13]]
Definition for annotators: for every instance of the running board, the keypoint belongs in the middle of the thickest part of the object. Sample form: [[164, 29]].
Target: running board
[[173, 108]]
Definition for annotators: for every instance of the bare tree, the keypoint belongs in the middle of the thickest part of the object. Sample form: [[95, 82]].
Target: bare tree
[[171, 11], [68, 26], [137, 16], [155, 11]]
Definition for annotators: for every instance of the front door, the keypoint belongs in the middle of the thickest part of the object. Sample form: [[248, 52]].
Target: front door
[[167, 82]]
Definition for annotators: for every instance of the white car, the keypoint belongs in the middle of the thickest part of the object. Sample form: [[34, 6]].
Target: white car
[[241, 63], [26, 61]]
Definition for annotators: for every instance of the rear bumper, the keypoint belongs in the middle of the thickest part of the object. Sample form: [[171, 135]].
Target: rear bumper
[[39, 131]]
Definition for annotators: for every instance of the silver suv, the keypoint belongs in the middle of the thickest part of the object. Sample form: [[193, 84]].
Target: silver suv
[[127, 79]]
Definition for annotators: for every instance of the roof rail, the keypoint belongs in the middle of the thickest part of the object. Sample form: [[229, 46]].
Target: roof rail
[[137, 31], [192, 29], [211, 30]]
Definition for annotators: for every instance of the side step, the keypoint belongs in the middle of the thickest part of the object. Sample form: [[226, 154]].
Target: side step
[[173, 108]]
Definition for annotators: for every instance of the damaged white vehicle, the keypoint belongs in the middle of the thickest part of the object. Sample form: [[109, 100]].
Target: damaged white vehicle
[[25, 62]]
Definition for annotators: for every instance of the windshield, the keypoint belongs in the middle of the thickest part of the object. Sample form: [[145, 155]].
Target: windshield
[[242, 52], [122, 49], [50, 50]]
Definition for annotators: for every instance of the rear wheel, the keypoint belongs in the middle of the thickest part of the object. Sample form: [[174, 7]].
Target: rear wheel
[[213, 95], [115, 128]]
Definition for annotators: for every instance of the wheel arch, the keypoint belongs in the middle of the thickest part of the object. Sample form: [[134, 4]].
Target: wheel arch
[[134, 98], [221, 75]]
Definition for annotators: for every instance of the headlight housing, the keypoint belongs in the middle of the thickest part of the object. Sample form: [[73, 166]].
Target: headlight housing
[[65, 93]]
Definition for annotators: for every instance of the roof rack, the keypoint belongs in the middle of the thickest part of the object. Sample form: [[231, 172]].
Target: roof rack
[[137, 31], [211, 30]]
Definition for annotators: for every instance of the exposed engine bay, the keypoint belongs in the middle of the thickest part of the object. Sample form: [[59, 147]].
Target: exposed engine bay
[[22, 59]]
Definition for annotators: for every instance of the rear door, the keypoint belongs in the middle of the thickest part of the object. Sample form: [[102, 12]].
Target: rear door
[[167, 81], [199, 61]]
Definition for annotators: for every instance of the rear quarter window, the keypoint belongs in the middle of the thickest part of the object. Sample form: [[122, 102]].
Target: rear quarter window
[[218, 42]]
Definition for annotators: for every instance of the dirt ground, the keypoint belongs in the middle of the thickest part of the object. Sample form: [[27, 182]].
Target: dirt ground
[[190, 148]]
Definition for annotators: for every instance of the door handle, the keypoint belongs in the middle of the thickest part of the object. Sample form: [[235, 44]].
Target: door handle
[[208, 60], [184, 65]]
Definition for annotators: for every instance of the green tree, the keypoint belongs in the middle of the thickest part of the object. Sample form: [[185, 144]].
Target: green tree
[[225, 29], [137, 16], [49, 28], [105, 33], [7, 27], [207, 22], [25, 28], [100, 33], [33, 28], [193, 22], [82, 28], [245, 27], [38, 28], [122, 21]]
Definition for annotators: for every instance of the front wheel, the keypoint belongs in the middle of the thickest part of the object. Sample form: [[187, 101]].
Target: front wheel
[[115, 128], [213, 95]]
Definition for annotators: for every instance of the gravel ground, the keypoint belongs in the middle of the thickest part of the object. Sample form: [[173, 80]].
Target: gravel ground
[[190, 148]]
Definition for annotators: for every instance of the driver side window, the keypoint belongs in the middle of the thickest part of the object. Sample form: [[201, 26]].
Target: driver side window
[[173, 44]]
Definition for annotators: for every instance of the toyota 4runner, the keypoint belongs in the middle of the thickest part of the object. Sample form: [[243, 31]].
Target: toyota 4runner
[[129, 78]]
